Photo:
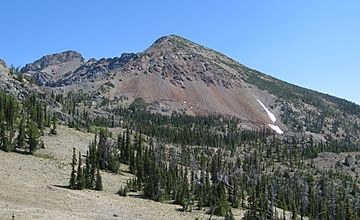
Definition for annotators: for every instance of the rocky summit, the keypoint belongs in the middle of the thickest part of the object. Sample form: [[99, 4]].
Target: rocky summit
[[54, 66]]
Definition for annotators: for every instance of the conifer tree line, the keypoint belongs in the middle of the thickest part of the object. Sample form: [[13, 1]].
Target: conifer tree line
[[86, 176], [220, 180], [254, 179], [229, 168], [180, 128], [214, 164], [102, 154], [22, 123]]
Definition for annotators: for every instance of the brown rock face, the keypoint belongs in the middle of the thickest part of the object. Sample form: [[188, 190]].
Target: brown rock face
[[173, 72], [183, 75], [177, 74]]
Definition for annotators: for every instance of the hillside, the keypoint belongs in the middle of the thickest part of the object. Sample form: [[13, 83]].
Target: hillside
[[34, 187], [175, 74], [178, 131]]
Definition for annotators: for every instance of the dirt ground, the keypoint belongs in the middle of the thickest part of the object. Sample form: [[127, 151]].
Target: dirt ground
[[32, 187]]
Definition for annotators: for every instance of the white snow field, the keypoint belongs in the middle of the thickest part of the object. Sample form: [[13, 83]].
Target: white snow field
[[272, 118], [271, 115], [276, 128]]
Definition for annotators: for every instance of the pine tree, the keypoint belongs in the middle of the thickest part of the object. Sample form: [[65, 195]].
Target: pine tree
[[72, 183], [46, 118], [4, 142], [93, 163], [127, 147], [132, 161], [80, 179], [54, 122], [252, 212], [11, 112], [120, 147], [349, 210], [220, 204], [98, 185], [87, 172], [32, 136], [21, 135]]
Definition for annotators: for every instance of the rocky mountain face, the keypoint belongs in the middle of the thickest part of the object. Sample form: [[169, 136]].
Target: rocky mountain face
[[177, 74], [93, 68], [3, 68], [54, 66], [10, 83]]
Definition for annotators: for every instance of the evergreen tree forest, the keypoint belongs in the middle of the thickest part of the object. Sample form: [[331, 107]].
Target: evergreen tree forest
[[22, 123], [258, 176], [198, 162], [208, 162]]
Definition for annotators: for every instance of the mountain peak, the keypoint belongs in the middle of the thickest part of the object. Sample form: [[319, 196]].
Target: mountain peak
[[167, 37], [53, 59], [53, 66], [171, 41]]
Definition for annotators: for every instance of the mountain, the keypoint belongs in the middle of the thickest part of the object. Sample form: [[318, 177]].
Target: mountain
[[180, 124], [175, 74]]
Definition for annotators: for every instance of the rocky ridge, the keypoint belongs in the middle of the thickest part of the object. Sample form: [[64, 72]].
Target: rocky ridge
[[54, 66], [175, 74], [93, 68]]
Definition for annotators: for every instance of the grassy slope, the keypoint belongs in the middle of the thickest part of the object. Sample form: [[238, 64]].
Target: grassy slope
[[30, 187]]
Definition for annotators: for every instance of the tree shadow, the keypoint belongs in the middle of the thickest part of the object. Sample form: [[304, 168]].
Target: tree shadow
[[23, 152], [179, 210], [137, 196], [61, 186]]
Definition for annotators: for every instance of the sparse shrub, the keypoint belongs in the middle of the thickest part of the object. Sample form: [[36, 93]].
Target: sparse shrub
[[348, 160], [123, 191]]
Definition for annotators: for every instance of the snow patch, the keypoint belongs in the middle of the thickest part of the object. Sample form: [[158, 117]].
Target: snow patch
[[271, 115], [272, 118], [276, 128]]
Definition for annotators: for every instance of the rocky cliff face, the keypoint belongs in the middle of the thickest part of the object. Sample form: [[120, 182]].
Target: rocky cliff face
[[53, 60], [92, 69], [53, 67]]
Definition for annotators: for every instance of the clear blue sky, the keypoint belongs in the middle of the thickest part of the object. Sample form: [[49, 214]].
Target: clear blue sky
[[312, 43]]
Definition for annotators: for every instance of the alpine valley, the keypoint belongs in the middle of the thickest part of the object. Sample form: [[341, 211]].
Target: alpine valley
[[178, 131]]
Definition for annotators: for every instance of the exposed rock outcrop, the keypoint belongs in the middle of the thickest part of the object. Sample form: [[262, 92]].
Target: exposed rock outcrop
[[54, 66], [4, 70], [53, 59], [94, 68]]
